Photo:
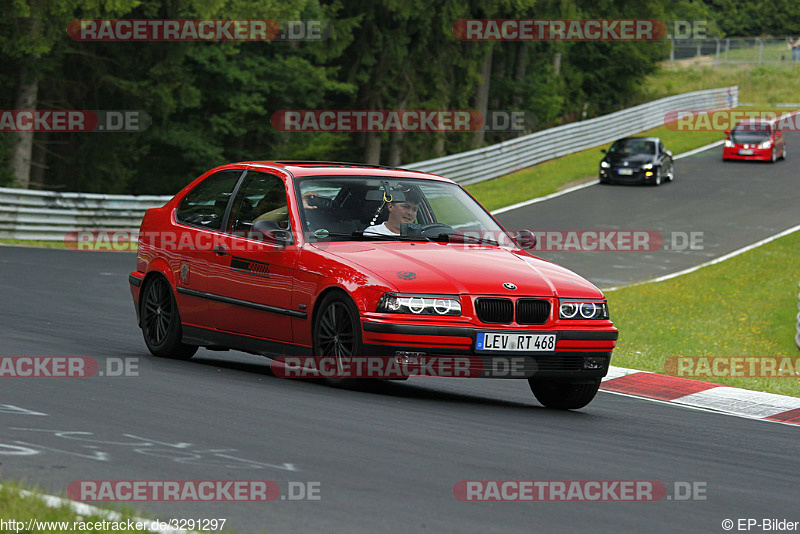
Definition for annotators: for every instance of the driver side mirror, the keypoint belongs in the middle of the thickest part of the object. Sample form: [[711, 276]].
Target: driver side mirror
[[525, 239], [270, 232], [604, 151]]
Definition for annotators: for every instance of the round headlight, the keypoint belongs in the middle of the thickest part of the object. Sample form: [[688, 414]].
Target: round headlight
[[441, 306], [588, 309], [569, 310], [416, 304]]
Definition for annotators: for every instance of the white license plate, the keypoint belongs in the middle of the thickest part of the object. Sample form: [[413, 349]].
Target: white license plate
[[625, 172], [745, 152], [515, 342]]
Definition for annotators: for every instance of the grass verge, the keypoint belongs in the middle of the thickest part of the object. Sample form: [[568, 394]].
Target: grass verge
[[743, 307], [23, 505], [763, 86], [551, 176], [33, 243]]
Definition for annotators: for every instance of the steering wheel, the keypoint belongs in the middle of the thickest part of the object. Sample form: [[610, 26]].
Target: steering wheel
[[436, 229]]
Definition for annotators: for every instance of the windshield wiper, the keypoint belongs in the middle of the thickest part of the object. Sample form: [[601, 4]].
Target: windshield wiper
[[322, 234], [475, 239]]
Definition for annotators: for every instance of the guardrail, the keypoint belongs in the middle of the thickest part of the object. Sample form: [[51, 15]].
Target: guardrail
[[509, 156], [49, 215]]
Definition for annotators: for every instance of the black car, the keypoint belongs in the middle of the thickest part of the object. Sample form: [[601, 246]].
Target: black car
[[637, 160]]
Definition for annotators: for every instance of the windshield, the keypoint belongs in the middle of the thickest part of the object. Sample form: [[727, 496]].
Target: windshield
[[750, 133], [628, 147], [383, 208]]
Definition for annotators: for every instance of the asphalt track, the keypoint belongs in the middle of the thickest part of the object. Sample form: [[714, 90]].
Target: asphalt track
[[726, 206], [388, 456]]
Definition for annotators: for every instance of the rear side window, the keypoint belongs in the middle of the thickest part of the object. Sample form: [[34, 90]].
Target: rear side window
[[204, 206]]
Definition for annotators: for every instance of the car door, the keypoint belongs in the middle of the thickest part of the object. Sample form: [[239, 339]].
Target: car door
[[250, 280], [189, 248]]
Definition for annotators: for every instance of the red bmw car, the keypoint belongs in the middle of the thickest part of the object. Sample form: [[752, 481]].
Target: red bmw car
[[754, 139], [389, 268]]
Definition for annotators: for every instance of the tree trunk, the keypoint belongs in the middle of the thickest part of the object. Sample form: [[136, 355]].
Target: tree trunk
[[372, 149], [482, 95], [395, 149], [27, 96], [438, 146], [39, 161], [519, 75]]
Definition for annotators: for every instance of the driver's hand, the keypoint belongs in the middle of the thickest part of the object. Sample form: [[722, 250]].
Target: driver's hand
[[306, 197]]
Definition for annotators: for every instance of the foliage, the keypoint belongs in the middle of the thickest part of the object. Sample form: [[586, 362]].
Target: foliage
[[211, 102]]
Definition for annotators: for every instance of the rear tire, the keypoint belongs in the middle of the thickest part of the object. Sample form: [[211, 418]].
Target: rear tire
[[161, 322], [563, 395]]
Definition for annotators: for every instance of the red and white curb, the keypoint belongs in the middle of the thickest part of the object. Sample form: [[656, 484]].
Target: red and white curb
[[703, 395]]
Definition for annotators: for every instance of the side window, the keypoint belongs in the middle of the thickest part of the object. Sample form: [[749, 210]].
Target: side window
[[204, 206], [261, 197]]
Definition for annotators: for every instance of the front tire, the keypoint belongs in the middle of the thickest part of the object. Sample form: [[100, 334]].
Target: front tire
[[657, 181], [563, 395], [161, 322], [337, 335]]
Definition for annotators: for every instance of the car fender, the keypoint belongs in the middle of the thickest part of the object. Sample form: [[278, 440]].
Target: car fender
[[364, 286], [160, 266]]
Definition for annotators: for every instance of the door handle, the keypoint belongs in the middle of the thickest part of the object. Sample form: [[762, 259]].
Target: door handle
[[219, 250]]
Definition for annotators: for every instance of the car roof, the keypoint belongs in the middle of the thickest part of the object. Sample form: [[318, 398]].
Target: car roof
[[336, 168]]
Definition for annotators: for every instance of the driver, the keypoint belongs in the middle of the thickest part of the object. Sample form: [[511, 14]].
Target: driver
[[400, 212]]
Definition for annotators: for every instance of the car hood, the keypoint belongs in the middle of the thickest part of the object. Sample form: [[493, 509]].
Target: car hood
[[450, 268], [633, 159], [745, 139]]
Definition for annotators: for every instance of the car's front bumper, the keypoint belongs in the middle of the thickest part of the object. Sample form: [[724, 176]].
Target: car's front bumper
[[612, 175], [756, 154], [580, 353]]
